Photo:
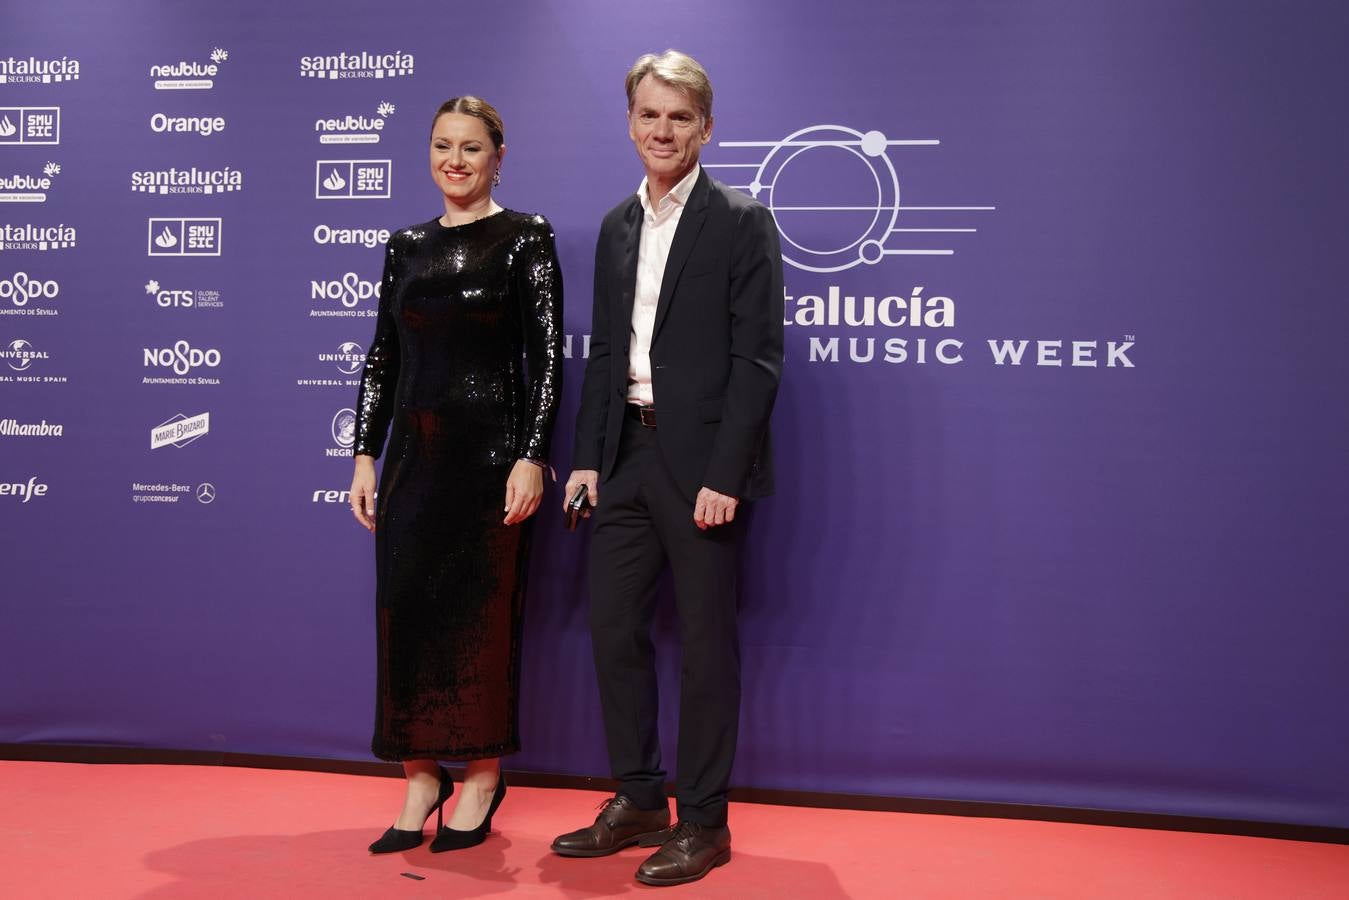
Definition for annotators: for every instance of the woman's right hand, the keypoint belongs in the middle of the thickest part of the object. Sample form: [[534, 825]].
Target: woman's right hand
[[363, 492]]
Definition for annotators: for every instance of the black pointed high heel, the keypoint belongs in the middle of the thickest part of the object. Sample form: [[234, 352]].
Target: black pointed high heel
[[396, 840], [454, 839]]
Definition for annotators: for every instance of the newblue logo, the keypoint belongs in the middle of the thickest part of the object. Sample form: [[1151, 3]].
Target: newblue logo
[[183, 237], [189, 76], [30, 125], [351, 129], [353, 179], [362, 64], [28, 188], [31, 70]]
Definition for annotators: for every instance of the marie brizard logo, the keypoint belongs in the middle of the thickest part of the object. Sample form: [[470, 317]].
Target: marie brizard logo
[[862, 219], [180, 430]]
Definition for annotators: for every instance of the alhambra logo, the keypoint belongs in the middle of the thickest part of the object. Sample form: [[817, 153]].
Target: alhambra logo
[[862, 221], [354, 129], [30, 126], [187, 181], [31, 70], [28, 188], [362, 64], [189, 76]]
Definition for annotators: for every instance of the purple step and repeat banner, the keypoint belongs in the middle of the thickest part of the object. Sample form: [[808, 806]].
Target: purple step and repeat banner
[[1062, 433]]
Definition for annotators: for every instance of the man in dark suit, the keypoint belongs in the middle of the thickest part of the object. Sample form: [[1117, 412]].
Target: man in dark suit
[[672, 435]]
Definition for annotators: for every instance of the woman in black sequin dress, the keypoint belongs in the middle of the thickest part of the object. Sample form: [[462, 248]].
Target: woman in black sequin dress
[[463, 376]]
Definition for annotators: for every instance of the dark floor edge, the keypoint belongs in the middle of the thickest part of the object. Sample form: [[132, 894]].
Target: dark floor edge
[[79, 753]]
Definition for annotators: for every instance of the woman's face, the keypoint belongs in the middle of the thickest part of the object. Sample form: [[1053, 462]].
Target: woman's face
[[463, 159]]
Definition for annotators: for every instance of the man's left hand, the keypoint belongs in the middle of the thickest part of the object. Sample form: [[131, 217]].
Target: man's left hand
[[712, 508]]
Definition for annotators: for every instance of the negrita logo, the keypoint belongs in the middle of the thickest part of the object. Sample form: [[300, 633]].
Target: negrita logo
[[343, 430]]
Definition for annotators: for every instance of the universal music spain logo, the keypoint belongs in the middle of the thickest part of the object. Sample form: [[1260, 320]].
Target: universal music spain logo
[[183, 237], [30, 125]]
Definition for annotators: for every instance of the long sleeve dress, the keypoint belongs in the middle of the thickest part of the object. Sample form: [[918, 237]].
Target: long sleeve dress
[[463, 376]]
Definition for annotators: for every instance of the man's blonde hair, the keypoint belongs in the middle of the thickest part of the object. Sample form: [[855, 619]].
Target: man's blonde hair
[[676, 69]]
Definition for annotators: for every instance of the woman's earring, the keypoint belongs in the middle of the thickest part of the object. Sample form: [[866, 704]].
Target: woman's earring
[[496, 178]]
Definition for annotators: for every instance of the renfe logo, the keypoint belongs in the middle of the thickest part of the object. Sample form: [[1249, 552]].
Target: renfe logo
[[20, 489]]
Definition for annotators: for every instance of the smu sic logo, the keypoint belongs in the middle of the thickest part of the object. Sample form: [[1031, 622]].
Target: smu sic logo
[[182, 358], [183, 237], [30, 125]]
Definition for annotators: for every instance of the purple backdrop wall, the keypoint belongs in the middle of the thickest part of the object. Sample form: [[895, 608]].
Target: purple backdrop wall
[[1118, 584]]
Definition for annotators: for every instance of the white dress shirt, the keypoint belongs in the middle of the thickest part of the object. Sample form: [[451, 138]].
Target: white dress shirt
[[658, 231]]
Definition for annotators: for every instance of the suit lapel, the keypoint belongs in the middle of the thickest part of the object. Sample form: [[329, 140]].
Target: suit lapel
[[627, 263], [686, 235]]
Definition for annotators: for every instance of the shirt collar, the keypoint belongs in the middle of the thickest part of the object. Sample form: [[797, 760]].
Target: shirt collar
[[678, 194]]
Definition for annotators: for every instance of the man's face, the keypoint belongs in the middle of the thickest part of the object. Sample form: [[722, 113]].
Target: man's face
[[667, 129]]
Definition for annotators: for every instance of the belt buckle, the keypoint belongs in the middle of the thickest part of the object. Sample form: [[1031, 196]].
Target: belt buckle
[[647, 416]]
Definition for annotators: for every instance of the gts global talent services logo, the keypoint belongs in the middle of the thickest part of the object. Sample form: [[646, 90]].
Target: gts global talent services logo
[[30, 126], [183, 237], [351, 129], [183, 298], [187, 181], [28, 188], [189, 76], [353, 179], [361, 64], [32, 70]]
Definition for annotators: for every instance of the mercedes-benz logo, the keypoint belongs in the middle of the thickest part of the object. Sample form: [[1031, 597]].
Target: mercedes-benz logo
[[205, 492]]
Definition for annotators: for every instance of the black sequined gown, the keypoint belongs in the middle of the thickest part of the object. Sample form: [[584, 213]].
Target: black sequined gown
[[461, 310]]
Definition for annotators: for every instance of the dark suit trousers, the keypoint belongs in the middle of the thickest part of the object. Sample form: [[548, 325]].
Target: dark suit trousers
[[642, 521]]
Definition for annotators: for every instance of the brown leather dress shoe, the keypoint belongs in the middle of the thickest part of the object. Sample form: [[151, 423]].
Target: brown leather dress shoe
[[620, 824], [690, 853]]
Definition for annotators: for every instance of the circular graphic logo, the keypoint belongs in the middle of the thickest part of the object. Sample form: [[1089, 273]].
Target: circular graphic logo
[[344, 428], [834, 194], [205, 492]]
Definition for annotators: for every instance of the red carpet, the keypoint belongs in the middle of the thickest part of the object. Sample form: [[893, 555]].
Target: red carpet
[[71, 830]]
